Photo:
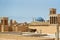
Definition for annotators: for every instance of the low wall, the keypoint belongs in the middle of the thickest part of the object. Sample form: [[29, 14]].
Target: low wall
[[20, 37]]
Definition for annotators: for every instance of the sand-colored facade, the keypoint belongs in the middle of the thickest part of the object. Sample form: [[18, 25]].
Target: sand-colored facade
[[12, 26], [48, 27]]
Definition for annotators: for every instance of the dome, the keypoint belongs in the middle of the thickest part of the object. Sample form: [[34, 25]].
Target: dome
[[39, 19]]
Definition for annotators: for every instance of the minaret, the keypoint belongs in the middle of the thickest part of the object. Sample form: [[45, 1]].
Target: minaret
[[33, 19]]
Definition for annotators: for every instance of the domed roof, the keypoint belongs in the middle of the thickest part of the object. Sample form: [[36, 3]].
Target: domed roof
[[39, 19]]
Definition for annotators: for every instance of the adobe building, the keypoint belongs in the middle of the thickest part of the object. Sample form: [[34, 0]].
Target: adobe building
[[21, 27], [39, 24], [12, 26], [17, 27], [48, 27]]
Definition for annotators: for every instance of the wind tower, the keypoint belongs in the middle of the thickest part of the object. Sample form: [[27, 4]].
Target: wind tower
[[54, 20], [4, 24], [53, 16]]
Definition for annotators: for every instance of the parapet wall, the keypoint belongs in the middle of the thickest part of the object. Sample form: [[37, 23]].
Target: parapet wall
[[20, 37]]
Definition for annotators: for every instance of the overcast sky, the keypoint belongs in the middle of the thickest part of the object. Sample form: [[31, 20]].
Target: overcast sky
[[24, 10]]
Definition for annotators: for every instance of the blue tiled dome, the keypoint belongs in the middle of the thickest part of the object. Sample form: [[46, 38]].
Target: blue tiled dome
[[39, 19]]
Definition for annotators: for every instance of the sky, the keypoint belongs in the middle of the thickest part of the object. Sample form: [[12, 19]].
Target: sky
[[25, 10]]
